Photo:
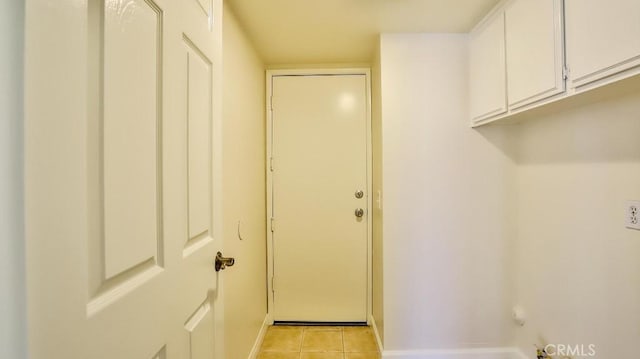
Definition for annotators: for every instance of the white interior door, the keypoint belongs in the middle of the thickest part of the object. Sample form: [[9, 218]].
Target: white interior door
[[122, 197], [319, 149]]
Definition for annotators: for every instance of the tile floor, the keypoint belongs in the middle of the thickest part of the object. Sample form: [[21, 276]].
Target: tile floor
[[300, 342]]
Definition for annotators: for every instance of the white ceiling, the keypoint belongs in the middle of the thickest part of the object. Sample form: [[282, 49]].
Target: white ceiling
[[342, 31]]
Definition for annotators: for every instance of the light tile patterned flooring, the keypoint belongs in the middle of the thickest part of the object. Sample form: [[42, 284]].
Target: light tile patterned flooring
[[299, 342]]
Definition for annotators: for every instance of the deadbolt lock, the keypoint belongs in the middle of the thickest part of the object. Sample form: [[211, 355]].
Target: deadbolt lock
[[359, 194]]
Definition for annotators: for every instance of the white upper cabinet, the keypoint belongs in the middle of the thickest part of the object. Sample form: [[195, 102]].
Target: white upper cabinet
[[488, 83], [531, 53], [535, 52], [603, 40]]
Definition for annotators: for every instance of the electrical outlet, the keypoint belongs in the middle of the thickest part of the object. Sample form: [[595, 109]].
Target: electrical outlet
[[632, 216]]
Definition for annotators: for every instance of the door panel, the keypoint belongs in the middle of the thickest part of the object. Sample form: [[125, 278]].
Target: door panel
[[161, 354], [120, 173], [200, 328], [130, 128], [319, 150], [199, 112], [206, 6]]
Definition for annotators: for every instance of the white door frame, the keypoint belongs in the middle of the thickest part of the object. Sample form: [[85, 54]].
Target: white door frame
[[269, 84]]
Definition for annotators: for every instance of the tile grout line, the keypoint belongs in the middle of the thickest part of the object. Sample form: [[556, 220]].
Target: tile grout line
[[343, 349]]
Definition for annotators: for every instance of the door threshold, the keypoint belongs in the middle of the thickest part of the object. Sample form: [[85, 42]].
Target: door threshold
[[320, 324]]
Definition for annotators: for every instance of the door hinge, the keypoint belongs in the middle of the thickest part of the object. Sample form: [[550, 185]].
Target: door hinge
[[272, 225], [273, 284], [565, 73], [271, 164]]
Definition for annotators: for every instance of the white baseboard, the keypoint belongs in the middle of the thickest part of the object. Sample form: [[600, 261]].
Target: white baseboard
[[481, 353], [374, 326], [258, 343]]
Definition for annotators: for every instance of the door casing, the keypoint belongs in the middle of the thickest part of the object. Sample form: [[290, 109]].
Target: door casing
[[270, 74]]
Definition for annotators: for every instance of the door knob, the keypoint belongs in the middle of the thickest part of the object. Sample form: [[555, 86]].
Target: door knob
[[359, 212], [223, 262]]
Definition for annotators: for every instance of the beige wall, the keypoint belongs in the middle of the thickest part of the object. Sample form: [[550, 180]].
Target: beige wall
[[577, 267], [12, 275], [446, 203], [376, 141], [244, 189]]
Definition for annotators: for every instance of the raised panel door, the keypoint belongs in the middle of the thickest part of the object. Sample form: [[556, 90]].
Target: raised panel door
[[122, 207]]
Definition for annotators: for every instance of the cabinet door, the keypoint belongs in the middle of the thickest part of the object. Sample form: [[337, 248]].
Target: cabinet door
[[488, 84], [535, 56], [603, 38]]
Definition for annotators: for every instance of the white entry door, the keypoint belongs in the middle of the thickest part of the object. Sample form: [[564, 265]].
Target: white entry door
[[122, 197], [319, 198]]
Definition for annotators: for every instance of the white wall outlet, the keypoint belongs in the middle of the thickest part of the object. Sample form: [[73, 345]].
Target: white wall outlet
[[632, 215]]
